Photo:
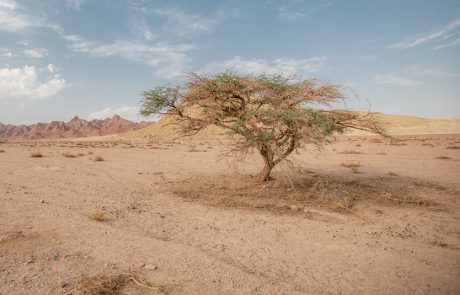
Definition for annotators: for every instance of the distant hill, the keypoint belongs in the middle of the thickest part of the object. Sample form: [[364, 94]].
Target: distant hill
[[75, 128], [394, 124]]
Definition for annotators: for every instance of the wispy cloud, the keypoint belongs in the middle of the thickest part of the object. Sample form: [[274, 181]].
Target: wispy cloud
[[27, 83], [76, 4], [35, 52], [455, 42], [395, 80], [185, 24], [13, 18], [286, 66], [411, 76], [441, 34], [127, 112], [160, 56], [297, 12]]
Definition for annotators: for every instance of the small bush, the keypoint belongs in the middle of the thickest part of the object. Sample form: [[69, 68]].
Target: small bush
[[36, 155], [98, 159], [375, 140], [351, 164], [351, 152], [453, 147], [98, 216], [443, 158], [2, 151], [69, 155], [391, 173]]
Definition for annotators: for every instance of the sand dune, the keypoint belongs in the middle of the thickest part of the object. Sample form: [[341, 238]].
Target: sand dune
[[395, 125]]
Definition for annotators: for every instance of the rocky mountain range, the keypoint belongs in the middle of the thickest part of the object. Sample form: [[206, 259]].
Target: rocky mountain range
[[74, 128]]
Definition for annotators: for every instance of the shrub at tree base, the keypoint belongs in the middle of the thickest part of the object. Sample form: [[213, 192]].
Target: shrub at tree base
[[270, 113]]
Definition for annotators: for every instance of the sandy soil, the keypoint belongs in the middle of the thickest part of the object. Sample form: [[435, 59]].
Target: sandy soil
[[172, 220]]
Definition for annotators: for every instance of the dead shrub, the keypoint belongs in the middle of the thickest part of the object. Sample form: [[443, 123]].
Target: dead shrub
[[453, 147], [36, 155], [428, 144], [375, 140], [112, 285], [69, 155], [98, 159], [443, 158], [351, 152], [351, 164], [98, 216]]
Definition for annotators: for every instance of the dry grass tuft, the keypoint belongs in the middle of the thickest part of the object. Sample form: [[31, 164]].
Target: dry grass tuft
[[98, 159], [80, 154], [391, 173], [375, 140], [351, 152], [428, 144], [36, 155], [443, 158], [98, 216], [2, 151], [115, 284], [69, 155], [453, 147], [381, 153], [351, 164]]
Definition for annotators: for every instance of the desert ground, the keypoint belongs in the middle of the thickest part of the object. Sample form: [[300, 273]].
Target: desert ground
[[362, 216]]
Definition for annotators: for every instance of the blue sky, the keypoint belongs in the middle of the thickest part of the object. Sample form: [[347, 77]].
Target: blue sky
[[93, 58]]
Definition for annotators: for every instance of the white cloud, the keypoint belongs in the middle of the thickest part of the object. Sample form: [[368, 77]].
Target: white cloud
[[35, 53], [295, 13], [394, 80], [411, 76], [7, 54], [26, 83], [455, 42], [185, 24], [443, 33], [127, 112], [285, 66], [14, 18], [8, 4], [161, 56], [76, 4]]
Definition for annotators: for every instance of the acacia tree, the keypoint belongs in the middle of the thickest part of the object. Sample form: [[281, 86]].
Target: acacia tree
[[270, 113]]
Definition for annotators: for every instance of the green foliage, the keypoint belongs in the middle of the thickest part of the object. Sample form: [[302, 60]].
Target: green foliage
[[271, 113]]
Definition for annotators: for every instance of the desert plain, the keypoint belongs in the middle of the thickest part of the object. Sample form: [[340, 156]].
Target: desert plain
[[154, 216]]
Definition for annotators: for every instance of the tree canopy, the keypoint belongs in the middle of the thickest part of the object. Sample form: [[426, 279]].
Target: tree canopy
[[270, 113]]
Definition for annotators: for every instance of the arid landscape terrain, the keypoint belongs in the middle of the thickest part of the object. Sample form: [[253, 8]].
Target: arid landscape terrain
[[150, 215]]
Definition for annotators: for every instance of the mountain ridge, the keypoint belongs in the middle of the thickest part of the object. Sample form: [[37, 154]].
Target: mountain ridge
[[74, 128]]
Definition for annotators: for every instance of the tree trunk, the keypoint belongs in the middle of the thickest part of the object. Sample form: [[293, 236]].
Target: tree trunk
[[264, 174]]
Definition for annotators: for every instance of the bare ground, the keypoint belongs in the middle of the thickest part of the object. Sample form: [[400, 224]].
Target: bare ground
[[166, 218]]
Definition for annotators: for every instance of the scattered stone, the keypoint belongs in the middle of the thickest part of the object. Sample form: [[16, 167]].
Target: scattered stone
[[140, 265], [150, 266]]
